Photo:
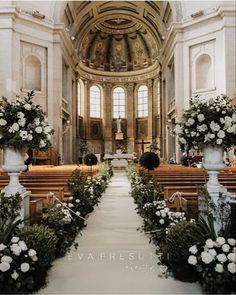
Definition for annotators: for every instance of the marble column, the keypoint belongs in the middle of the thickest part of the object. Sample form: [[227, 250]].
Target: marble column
[[131, 124], [150, 110], [107, 117]]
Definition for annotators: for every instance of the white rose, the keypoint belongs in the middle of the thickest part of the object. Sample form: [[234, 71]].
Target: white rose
[[22, 122], [192, 260], [212, 252], [219, 141], [32, 252], [158, 213], [225, 248], [219, 268], [30, 137], [3, 122], [42, 143], [228, 121], [6, 258], [77, 213], [161, 221], [15, 275], [70, 205], [222, 121], [20, 115], [221, 257], [201, 117], [231, 242], [16, 249], [212, 135], [38, 129], [206, 257], [27, 106], [15, 240], [221, 134], [34, 258], [231, 129], [220, 241], [214, 126], [232, 257], [193, 249], [191, 121], [77, 201], [37, 121], [24, 267], [209, 243], [4, 266], [23, 246], [232, 267], [2, 246], [47, 129]]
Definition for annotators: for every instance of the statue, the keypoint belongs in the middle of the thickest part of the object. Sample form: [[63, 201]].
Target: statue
[[118, 122]]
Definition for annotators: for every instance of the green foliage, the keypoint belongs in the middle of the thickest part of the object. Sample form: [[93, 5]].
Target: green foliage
[[179, 239], [153, 147], [9, 211], [43, 240]]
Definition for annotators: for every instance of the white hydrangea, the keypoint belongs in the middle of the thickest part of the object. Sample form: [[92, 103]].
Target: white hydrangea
[[2, 246], [42, 143], [16, 249], [22, 122], [31, 252], [23, 246], [212, 252], [161, 221], [214, 126], [14, 128], [15, 239], [221, 134]]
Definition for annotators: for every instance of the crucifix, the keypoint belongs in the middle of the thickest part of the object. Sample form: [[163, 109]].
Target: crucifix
[[142, 144]]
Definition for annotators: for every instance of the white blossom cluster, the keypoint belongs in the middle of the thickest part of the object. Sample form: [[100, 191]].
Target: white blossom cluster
[[18, 261], [219, 255], [23, 124], [208, 122]]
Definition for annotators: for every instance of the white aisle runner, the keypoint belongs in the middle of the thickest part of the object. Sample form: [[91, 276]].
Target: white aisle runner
[[113, 257]]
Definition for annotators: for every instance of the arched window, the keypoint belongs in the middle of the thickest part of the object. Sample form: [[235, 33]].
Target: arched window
[[95, 102], [142, 101], [32, 75], [118, 103], [203, 72]]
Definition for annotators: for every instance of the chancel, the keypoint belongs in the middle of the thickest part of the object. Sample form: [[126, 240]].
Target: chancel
[[126, 110]]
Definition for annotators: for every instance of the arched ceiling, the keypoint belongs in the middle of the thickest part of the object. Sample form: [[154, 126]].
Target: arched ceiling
[[117, 36]]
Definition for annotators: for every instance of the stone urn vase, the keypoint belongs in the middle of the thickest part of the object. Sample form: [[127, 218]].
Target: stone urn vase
[[14, 165]]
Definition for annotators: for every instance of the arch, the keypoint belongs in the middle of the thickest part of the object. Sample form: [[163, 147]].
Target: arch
[[119, 102], [203, 72], [95, 101], [32, 73], [142, 101]]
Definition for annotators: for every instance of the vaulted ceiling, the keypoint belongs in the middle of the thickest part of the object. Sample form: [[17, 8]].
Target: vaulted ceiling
[[117, 36]]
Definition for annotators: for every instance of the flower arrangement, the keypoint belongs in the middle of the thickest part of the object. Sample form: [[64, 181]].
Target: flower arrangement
[[207, 122], [23, 124], [216, 263], [16, 267]]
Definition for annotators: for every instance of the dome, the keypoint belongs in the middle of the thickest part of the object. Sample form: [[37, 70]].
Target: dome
[[118, 44]]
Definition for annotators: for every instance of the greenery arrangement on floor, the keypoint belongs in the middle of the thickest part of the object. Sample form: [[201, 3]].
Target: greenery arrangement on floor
[[191, 250], [27, 253]]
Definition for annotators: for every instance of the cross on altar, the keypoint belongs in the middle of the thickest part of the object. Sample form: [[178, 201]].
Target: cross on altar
[[142, 143]]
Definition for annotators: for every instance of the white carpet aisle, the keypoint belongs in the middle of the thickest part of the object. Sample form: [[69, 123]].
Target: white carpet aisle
[[113, 257]]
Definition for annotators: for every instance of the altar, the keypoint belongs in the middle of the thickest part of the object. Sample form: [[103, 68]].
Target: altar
[[119, 161]]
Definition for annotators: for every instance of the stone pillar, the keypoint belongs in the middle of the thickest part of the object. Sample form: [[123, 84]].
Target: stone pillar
[[131, 123], [87, 110], [150, 110], [107, 117]]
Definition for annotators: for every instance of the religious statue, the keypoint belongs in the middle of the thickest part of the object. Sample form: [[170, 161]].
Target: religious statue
[[118, 122]]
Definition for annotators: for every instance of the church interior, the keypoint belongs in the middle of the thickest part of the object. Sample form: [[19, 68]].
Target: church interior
[[113, 79]]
